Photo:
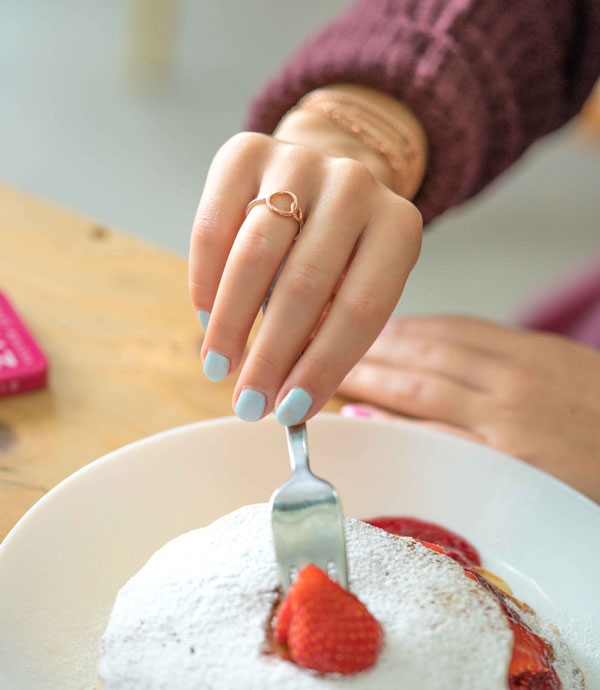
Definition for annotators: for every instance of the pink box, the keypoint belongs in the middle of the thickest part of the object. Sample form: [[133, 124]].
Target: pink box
[[23, 366]]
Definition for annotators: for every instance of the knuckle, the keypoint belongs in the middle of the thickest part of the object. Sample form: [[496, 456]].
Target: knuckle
[[414, 387], [411, 213], [324, 371], [448, 327], [365, 307], [405, 327], [429, 352], [264, 365], [408, 220], [307, 283], [198, 289], [520, 384], [256, 247], [244, 146], [353, 175], [206, 227]]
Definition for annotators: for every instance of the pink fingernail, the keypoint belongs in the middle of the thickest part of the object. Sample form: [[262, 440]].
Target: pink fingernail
[[354, 411]]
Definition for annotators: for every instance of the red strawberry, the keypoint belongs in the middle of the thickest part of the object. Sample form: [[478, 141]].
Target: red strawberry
[[530, 665], [325, 627], [530, 668]]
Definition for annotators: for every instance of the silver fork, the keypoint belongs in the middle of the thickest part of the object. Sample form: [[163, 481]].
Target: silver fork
[[306, 517]]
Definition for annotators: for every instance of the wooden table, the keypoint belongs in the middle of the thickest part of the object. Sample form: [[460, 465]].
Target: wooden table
[[113, 315]]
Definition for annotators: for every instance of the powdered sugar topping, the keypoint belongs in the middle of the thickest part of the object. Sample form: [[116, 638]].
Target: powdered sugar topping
[[194, 617]]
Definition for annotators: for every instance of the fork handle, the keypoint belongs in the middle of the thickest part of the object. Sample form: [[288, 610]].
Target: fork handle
[[298, 447]]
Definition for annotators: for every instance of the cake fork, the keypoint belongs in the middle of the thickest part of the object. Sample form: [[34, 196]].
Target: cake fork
[[306, 517]]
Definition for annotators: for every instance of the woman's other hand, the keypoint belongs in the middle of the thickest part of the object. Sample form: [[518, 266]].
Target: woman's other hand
[[529, 394]]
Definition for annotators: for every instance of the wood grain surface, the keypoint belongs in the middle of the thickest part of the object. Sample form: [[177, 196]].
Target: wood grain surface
[[113, 316]]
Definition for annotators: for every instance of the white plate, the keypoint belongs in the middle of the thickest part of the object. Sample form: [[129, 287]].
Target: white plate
[[63, 563]]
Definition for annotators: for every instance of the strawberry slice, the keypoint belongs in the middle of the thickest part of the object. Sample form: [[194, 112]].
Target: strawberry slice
[[530, 666], [326, 628], [529, 651]]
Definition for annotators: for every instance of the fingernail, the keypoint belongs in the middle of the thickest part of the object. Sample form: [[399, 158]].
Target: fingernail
[[354, 411], [216, 366], [293, 407], [250, 405], [204, 316]]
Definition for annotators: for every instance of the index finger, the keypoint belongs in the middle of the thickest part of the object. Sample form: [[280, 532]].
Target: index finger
[[231, 182]]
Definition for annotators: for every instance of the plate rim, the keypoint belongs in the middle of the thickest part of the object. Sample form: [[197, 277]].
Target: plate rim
[[329, 416]]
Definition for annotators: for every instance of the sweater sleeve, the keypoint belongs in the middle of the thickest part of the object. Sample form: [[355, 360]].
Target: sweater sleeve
[[485, 77]]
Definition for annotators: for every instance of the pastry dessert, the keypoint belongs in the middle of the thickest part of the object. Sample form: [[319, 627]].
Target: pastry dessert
[[199, 616]]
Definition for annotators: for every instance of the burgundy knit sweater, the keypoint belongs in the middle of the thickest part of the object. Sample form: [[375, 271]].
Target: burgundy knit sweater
[[486, 78]]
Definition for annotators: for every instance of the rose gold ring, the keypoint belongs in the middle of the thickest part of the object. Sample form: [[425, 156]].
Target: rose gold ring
[[294, 210]]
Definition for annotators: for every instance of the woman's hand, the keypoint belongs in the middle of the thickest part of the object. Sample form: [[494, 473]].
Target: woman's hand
[[532, 395], [341, 280]]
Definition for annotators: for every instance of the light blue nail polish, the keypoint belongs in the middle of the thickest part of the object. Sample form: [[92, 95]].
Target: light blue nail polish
[[216, 366], [250, 405], [293, 407], [204, 316]]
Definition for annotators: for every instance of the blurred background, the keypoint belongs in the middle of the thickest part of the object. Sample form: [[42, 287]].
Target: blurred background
[[116, 109]]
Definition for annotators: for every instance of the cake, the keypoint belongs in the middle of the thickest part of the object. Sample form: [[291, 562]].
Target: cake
[[197, 616]]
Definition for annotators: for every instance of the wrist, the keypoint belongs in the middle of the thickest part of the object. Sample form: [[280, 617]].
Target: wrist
[[365, 124], [311, 129]]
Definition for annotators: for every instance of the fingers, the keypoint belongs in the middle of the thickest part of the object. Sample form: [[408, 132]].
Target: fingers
[[433, 369], [304, 289], [419, 394], [374, 268], [467, 365], [371, 287], [478, 334]]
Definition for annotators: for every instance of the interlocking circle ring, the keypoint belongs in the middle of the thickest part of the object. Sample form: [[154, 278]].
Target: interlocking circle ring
[[294, 210]]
